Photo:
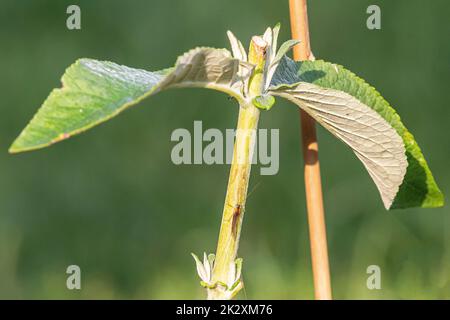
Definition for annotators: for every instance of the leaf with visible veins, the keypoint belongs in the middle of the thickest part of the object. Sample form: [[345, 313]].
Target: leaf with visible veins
[[96, 91], [359, 116]]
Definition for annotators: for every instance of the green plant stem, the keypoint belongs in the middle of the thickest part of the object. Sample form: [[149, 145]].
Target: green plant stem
[[233, 212]]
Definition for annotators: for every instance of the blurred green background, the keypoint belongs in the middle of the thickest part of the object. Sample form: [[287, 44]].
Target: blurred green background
[[112, 202]]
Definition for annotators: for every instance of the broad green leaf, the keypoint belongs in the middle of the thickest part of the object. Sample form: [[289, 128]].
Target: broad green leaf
[[95, 91], [374, 141], [418, 187]]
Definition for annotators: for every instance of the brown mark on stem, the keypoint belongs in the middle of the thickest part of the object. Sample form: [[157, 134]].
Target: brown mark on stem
[[235, 219]]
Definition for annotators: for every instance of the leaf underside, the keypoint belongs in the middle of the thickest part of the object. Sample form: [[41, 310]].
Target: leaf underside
[[372, 139], [418, 188], [95, 91]]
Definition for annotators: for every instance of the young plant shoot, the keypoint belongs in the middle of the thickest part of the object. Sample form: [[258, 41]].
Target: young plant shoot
[[354, 112]]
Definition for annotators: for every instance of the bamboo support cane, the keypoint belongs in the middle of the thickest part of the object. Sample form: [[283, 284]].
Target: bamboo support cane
[[313, 187]]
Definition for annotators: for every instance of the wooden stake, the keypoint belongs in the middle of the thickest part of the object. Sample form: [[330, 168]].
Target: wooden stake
[[313, 187]]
